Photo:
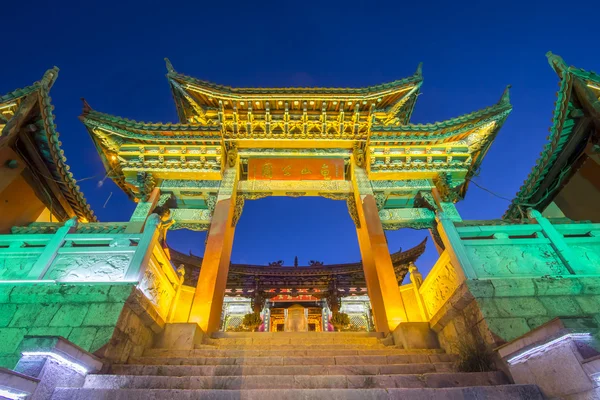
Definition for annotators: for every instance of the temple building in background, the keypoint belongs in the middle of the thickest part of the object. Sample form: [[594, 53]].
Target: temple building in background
[[320, 289], [100, 310]]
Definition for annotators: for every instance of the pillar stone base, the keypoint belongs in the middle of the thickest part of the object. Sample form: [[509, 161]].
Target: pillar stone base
[[415, 335], [180, 336]]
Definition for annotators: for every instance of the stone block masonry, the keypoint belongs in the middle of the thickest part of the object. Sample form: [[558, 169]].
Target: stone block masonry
[[500, 310], [110, 320]]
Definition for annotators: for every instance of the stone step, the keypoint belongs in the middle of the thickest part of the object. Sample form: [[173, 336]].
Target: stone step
[[299, 360], [503, 392], [278, 352], [259, 341], [435, 380], [242, 370], [283, 347], [234, 335]]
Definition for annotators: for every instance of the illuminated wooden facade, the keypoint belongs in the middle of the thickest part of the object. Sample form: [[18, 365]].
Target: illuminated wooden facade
[[356, 145]]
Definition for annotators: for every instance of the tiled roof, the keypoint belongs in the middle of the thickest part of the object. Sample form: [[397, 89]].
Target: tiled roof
[[47, 140], [444, 130], [148, 131], [560, 132], [411, 80]]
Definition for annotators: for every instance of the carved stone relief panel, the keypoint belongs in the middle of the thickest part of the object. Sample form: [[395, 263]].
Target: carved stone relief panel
[[514, 260], [13, 267], [439, 287], [89, 267], [589, 255], [157, 288]]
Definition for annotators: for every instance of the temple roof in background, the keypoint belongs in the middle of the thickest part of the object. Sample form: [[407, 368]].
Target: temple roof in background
[[576, 117], [347, 276], [27, 126]]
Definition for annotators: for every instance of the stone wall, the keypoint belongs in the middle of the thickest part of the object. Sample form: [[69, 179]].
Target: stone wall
[[138, 323], [100, 318], [500, 310]]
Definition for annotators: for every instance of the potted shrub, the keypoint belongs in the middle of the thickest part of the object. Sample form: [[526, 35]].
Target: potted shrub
[[340, 320], [252, 321]]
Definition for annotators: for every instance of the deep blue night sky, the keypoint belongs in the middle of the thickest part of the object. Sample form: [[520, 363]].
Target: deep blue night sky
[[112, 54]]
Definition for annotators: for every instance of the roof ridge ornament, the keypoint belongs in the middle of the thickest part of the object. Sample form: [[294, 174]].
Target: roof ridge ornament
[[505, 98], [556, 61], [86, 106], [419, 71], [170, 68], [49, 77]]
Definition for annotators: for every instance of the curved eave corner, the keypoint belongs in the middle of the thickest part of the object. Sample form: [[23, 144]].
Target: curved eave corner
[[176, 80], [454, 127], [54, 158], [504, 108], [92, 119], [555, 140]]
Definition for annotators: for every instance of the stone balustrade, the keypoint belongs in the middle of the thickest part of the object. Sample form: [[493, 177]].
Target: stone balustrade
[[66, 256], [95, 284], [501, 279], [530, 249]]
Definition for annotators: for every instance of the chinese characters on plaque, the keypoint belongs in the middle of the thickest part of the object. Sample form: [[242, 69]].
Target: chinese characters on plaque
[[299, 169]]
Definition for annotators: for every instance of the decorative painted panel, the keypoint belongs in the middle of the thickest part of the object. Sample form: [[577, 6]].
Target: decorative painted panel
[[89, 267], [141, 211], [409, 184], [296, 169], [415, 218], [294, 186], [511, 260]]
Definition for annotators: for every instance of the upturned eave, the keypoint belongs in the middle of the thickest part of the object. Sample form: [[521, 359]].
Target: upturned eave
[[193, 97], [40, 144], [567, 126]]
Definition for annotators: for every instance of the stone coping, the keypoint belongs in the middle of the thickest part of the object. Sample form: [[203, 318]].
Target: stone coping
[[550, 331], [61, 349], [16, 384], [51, 282]]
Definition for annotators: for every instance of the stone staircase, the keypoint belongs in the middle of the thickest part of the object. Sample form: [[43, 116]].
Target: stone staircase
[[309, 365]]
